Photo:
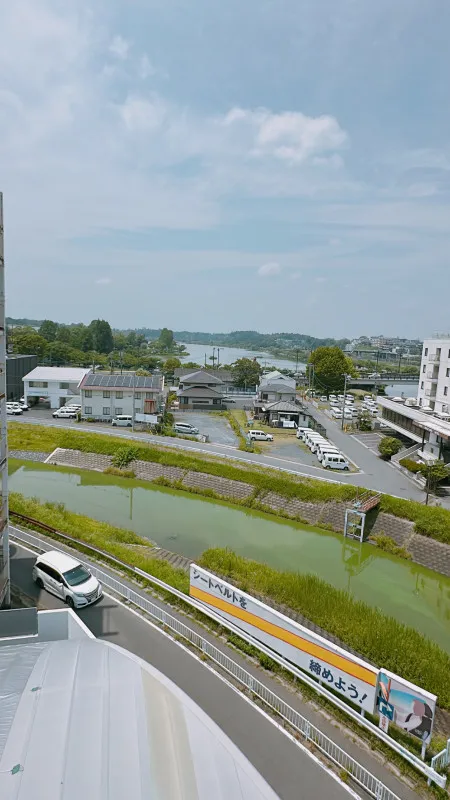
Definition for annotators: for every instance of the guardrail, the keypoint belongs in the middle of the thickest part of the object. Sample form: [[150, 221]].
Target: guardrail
[[442, 759], [381, 791]]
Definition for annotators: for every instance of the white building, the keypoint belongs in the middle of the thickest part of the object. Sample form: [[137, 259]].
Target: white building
[[55, 384], [434, 386], [428, 422], [106, 396], [4, 541]]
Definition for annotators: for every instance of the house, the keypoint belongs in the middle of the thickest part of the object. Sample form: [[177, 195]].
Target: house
[[201, 390], [225, 375], [275, 413], [55, 384], [274, 388], [106, 396]]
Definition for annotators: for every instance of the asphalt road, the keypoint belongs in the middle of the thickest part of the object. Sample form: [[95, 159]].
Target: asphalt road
[[292, 772], [376, 474]]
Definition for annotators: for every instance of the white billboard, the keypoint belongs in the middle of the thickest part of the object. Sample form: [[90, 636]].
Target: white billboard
[[408, 706], [150, 419], [346, 674]]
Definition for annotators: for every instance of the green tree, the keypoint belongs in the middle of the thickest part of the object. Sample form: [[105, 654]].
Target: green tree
[[59, 353], [192, 365], [102, 335], [166, 340], [28, 342], [246, 372], [364, 421], [64, 334], [171, 364], [389, 446], [81, 337], [435, 473], [330, 367], [49, 330]]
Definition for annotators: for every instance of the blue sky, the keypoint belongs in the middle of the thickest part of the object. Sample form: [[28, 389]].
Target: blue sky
[[282, 166]]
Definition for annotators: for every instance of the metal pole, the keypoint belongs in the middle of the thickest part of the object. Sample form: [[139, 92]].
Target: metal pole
[[218, 363], [5, 596], [134, 401], [343, 406]]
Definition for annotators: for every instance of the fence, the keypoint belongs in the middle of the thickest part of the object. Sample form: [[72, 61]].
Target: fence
[[442, 759], [290, 716]]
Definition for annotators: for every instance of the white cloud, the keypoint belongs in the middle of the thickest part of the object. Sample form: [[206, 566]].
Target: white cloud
[[295, 276], [270, 269], [320, 279], [103, 281], [140, 114], [119, 48], [146, 68]]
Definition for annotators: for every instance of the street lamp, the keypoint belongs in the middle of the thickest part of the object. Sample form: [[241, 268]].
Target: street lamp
[[343, 404]]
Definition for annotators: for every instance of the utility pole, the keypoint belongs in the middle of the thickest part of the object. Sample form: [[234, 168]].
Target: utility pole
[[134, 401], [343, 404], [218, 351], [399, 364], [296, 360]]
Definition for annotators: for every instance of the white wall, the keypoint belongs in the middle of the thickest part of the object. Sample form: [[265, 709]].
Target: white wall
[[52, 391], [97, 403], [440, 401]]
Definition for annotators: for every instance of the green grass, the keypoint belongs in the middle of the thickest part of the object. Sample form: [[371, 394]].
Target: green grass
[[429, 521], [119, 542], [379, 638]]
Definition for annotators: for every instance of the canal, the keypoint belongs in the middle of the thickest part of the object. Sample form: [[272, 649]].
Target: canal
[[188, 525]]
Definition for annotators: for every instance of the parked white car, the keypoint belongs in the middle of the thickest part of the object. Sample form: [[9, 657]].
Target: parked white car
[[260, 436], [333, 461], [326, 449], [65, 577], [301, 433], [323, 398], [13, 408], [65, 413]]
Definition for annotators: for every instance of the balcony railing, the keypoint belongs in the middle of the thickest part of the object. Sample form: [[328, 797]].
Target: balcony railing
[[430, 392], [432, 377], [434, 357]]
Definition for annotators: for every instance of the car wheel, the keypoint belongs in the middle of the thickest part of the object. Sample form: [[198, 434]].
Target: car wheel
[[345, 469], [40, 583], [327, 466], [69, 601]]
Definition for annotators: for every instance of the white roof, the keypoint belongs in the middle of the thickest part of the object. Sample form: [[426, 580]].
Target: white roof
[[63, 374], [418, 416], [83, 718], [59, 560]]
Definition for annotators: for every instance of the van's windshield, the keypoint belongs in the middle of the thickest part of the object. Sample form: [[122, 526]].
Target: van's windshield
[[76, 575]]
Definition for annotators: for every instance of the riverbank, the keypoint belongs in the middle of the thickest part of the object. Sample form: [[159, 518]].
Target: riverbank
[[380, 638]]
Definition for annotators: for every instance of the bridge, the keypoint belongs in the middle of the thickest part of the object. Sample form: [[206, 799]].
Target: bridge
[[385, 380]]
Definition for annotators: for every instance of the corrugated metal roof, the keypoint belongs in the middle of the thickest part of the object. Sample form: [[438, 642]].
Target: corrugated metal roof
[[87, 720], [63, 374]]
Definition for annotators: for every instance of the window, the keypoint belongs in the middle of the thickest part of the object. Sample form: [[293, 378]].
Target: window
[[88, 409], [445, 391], [88, 393], [38, 384], [424, 368], [106, 394], [420, 401], [448, 354], [421, 385], [119, 396], [106, 411], [137, 410], [447, 374], [426, 351], [63, 385], [149, 395], [118, 411]]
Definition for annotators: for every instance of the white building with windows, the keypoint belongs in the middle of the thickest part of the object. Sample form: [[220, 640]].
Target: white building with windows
[[434, 386], [106, 396], [54, 384]]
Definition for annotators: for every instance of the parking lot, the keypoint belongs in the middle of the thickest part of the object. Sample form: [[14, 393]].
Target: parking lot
[[217, 428]]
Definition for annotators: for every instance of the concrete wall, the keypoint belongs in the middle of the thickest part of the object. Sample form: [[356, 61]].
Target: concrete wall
[[53, 392]]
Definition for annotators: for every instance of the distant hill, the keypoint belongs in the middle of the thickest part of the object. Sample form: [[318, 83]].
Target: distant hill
[[32, 323]]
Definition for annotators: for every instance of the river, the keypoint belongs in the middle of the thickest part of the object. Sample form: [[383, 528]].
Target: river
[[188, 525]]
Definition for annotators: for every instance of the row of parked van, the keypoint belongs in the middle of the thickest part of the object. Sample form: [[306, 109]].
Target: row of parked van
[[327, 453]]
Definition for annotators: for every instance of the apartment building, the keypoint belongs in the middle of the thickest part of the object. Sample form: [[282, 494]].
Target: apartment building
[[434, 385], [106, 396], [4, 539]]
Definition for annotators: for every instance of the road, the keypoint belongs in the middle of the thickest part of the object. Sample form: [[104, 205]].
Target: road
[[291, 771], [375, 474]]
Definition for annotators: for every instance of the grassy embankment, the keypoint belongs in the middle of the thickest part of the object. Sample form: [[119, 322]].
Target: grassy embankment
[[429, 521], [377, 637]]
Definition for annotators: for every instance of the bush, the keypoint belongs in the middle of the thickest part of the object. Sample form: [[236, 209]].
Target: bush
[[410, 464], [365, 421], [124, 456], [379, 638], [387, 544], [388, 447]]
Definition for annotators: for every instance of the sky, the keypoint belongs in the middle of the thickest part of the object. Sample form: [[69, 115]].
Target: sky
[[276, 166]]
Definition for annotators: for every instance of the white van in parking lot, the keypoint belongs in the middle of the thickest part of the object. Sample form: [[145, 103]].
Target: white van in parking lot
[[301, 433], [122, 421], [311, 436], [260, 436], [316, 443], [333, 461], [64, 576], [325, 448]]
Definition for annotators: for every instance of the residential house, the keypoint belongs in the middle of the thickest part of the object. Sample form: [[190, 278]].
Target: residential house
[[55, 384], [201, 391], [275, 413], [225, 375], [105, 396], [274, 388]]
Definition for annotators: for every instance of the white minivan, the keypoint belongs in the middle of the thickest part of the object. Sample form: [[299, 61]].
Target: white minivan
[[316, 443], [64, 576], [122, 421], [260, 436], [325, 448], [313, 440], [310, 435], [185, 427], [334, 461], [301, 433]]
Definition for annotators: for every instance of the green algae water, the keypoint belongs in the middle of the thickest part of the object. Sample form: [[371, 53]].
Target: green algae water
[[188, 524]]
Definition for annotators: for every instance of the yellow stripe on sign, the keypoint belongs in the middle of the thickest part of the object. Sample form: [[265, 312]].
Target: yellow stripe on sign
[[315, 650]]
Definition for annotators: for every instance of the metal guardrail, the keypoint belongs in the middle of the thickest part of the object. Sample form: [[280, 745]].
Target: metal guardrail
[[121, 589], [289, 715], [442, 759]]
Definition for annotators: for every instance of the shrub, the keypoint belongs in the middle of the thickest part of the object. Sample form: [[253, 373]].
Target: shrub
[[124, 456], [387, 544], [379, 638], [410, 464], [388, 447], [121, 473]]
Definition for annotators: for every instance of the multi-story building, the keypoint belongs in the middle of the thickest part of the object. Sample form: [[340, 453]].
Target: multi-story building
[[4, 538], [56, 385], [107, 396], [434, 386]]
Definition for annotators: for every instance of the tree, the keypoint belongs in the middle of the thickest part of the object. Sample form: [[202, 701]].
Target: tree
[[435, 473], [192, 365], [49, 330], [246, 372], [171, 364], [331, 366], [364, 421], [103, 341], [389, 446], [81, 338], [166, 340], [59, 353], [28, 342], [64, 334]]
